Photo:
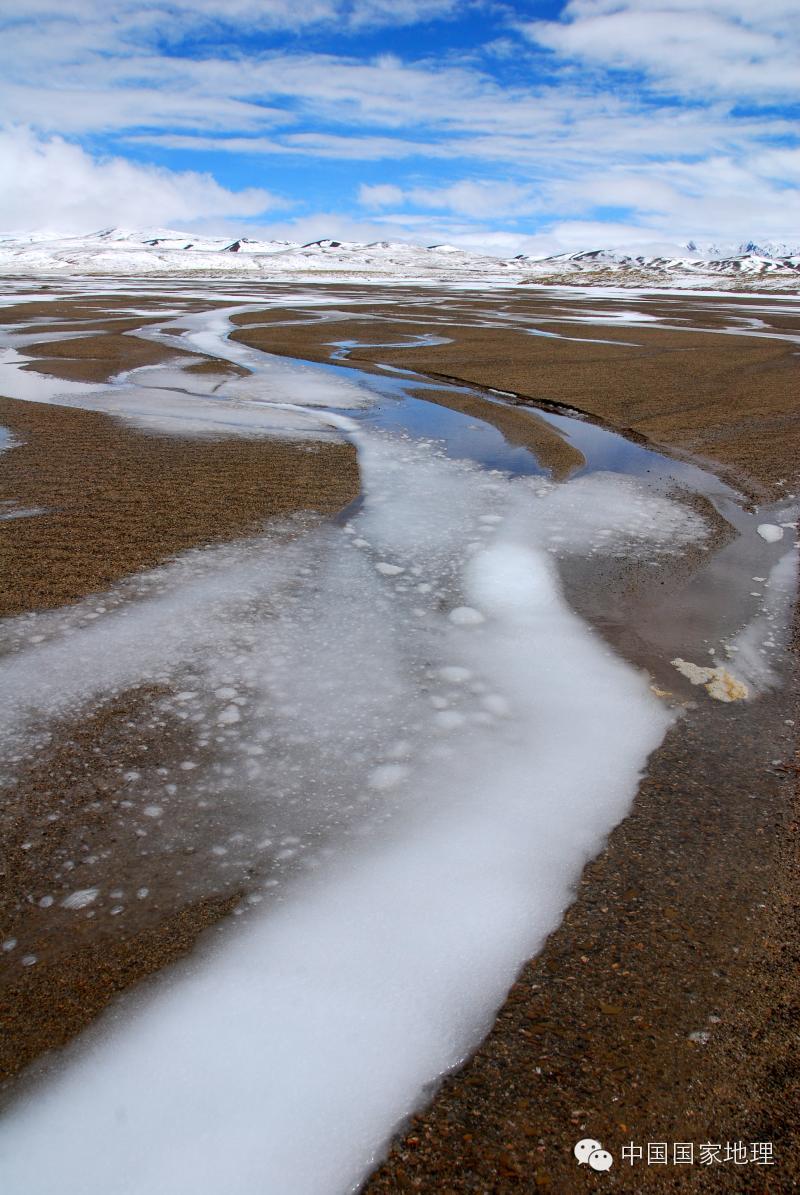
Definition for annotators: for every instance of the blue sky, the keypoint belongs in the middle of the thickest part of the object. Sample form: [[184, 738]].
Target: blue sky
[[501, 127]]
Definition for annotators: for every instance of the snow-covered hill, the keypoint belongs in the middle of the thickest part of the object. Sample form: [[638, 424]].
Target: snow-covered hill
[[689, 269], [164, 251]]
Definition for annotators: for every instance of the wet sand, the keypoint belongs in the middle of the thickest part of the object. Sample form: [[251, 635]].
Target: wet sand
[[118, 500], [57, 821], [686, 923]]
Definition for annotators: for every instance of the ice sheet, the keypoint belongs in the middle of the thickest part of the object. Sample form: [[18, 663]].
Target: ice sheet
[[755, 650], [444, 781], [273, 397]]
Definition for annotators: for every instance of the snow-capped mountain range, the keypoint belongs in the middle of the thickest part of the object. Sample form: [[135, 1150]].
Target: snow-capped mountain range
[[126, 253]]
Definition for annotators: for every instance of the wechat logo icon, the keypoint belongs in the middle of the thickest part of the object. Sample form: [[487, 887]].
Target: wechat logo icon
[[591, 1151]]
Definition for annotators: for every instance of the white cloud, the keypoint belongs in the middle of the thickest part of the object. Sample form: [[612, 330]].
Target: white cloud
[[51, 183], [399, 12], [561, 149], [314, 145], [724, 196], [380, 195], [714, 198], [705, 47], [326, 106], [477, 199], [337, 225], [467, 197], [125, 19], [781, 165]]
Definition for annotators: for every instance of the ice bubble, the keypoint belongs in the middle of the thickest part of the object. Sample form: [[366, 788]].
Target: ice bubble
[[449, 719], [454, 674], [387, 776], [496, 704], [80, 899], [511, 580], [466, 616], [771, 532]]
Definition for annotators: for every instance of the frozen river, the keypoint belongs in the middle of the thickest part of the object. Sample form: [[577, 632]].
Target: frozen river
[[410, 739]]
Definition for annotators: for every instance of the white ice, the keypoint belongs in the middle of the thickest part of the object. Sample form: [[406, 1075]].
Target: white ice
[[282, 1060], [275, 397], [771, 532], [758, 647]]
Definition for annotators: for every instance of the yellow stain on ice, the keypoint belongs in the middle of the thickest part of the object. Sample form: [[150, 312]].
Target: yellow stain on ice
[[719, 683]]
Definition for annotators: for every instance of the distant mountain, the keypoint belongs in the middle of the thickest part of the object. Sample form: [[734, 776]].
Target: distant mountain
[[166, 251], [774, 249], [770, 249], [618, 267]]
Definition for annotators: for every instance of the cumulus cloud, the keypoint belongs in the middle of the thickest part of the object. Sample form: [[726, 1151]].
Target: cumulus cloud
[[49, 182]]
